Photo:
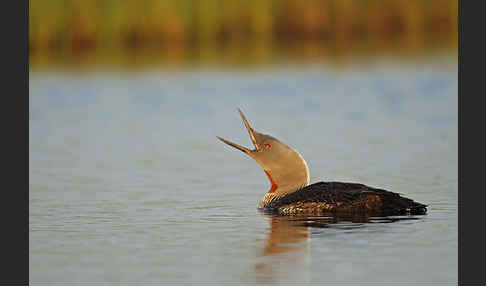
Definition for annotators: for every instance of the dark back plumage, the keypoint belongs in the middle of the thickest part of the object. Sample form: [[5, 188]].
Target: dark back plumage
[[336, 197]]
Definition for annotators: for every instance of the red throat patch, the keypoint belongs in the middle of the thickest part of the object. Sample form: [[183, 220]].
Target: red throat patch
[[274, 186]]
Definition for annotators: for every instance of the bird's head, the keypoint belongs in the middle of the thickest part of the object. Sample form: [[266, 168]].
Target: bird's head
[[284, 166]]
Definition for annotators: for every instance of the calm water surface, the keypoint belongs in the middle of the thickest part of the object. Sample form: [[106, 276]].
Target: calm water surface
[[129, 185]]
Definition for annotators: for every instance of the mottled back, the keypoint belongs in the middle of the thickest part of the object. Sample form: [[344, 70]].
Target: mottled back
[[332, 197]]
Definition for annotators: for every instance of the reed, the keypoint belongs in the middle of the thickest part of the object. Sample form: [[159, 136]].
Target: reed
[[72, 26]]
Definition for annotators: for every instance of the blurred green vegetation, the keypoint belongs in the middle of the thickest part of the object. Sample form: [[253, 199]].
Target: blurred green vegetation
[[195, 30]]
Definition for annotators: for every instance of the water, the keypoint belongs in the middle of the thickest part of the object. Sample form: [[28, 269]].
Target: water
[[129, 185]]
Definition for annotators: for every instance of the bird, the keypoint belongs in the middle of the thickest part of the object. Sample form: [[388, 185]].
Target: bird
[[291, 193]]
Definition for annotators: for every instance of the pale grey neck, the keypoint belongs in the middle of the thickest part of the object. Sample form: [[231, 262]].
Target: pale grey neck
[[288, 178], [292, 175], [296, 176]]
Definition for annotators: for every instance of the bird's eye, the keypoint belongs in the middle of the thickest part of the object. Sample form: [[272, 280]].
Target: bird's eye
[[267, 146]]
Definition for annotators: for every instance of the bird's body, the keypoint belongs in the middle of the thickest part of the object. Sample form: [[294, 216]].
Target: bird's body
[[291, 193], [339, 197]]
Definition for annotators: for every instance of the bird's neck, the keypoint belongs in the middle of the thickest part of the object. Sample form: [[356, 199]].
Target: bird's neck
[[286, 179]]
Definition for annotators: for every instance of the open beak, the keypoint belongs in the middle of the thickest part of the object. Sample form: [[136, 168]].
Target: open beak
[[250, 132]]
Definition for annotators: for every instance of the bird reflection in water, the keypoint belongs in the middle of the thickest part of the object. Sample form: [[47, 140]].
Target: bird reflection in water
[[285, 254]]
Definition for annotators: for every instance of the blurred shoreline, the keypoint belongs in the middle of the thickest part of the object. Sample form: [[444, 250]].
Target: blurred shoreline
[[75, 33], [240, 58]]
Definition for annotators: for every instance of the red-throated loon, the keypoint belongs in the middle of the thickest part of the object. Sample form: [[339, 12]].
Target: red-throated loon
[[291, 193]]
